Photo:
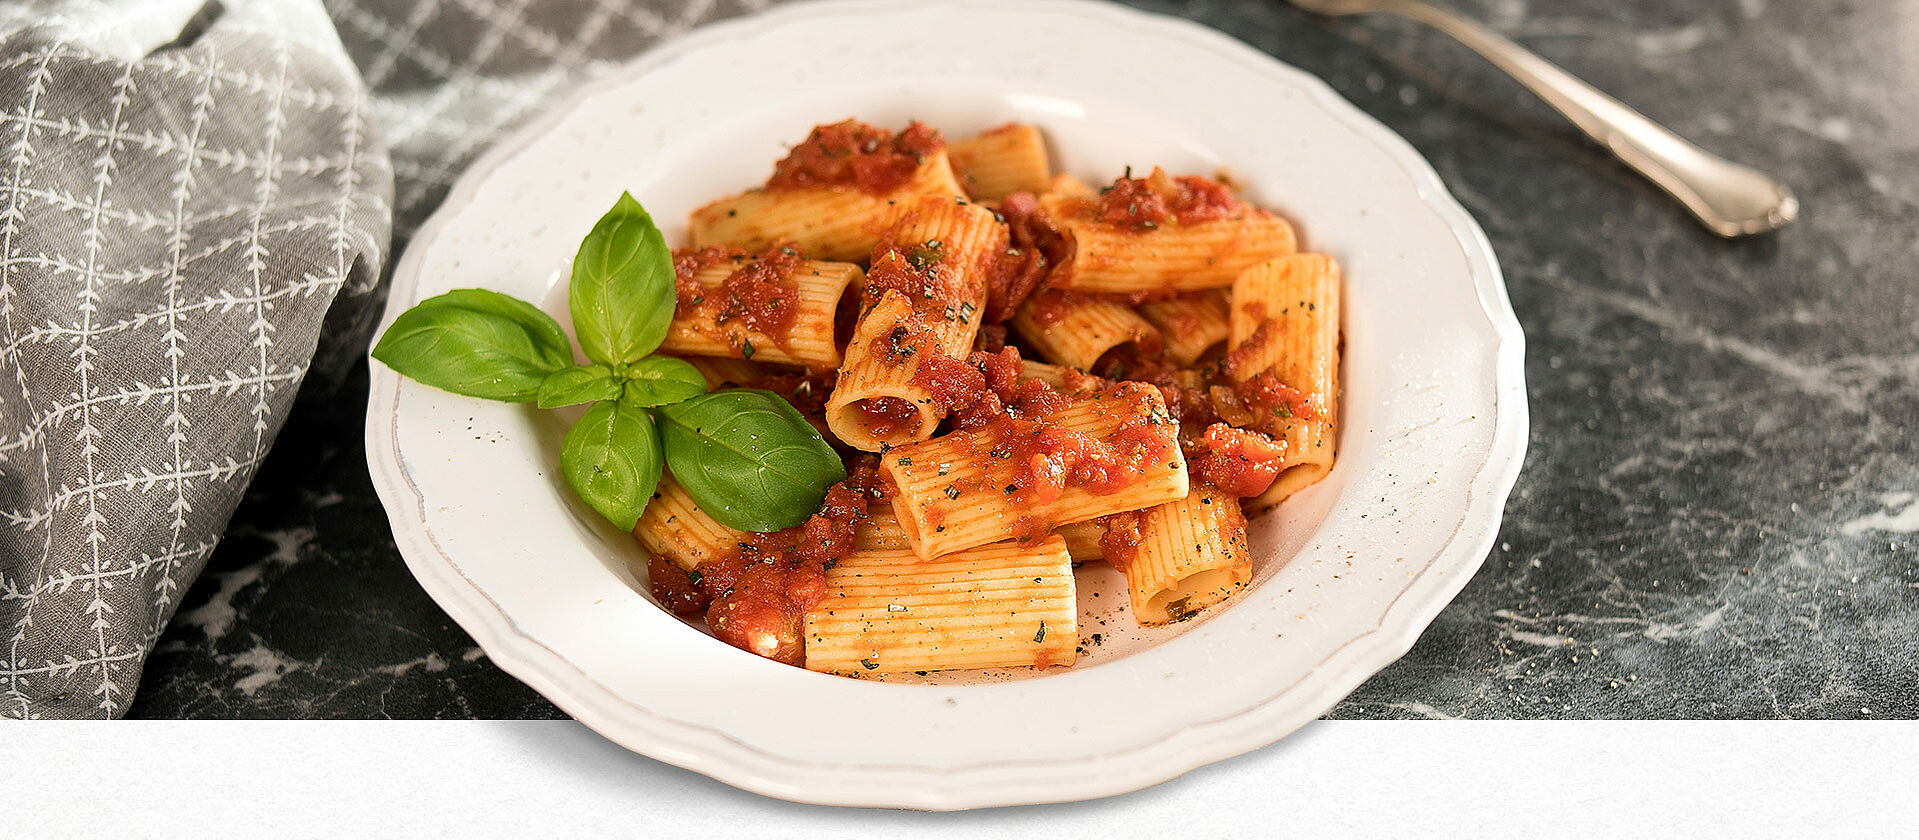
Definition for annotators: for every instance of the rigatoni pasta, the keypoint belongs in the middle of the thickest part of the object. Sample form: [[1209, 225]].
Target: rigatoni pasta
[[721, 372], [1023, 372], [880, 531], [1286, 326], [1076, 330], [973, 488], [827, 223], [876, 399], [673, 526], [1082, 539], [1001, 161], [994, 606], [1191, 324], [928, 281], [773, 307], [1180, 557], [1164, 233], [835, 195]]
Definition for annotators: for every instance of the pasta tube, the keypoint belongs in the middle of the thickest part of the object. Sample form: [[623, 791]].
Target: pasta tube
[[1160, 232], [1181, 557], [1192, 323], [1285, 361], [995, 606], [674, 527], [1004, 160], [880, 531], [1082, 540], [829, 223], [1112, 451], [702, 328], [928, 282], [1076, 330], [1065, 380]]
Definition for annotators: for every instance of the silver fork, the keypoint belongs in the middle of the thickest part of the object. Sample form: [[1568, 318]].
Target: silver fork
[[1729, 199]]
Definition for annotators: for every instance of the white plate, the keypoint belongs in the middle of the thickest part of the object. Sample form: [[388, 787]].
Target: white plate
[[1349, 572]]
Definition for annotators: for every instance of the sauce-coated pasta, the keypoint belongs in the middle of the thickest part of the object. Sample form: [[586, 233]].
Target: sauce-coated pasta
[[1023, 372]]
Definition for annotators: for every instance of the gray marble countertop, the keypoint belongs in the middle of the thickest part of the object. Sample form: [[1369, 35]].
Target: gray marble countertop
[[1720, 503]]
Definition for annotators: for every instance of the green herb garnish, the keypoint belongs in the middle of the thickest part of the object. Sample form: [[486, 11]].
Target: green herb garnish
[[747, 457], [926, 255]]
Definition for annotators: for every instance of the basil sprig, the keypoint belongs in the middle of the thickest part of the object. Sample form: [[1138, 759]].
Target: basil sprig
[[746, 456]]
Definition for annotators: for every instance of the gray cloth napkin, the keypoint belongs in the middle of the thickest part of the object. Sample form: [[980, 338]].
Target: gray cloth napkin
[[183, 196], [198, 197]]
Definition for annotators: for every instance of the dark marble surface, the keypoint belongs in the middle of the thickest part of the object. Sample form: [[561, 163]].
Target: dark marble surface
[[1720, 505]]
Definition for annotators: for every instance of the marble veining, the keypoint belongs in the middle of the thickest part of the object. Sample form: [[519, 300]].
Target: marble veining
[[1718, 512]]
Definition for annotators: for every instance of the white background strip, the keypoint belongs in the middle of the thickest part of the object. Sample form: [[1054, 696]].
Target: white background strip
[[526, 779]]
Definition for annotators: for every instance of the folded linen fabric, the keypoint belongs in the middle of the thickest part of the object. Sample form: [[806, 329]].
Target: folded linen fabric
[[185, 190]]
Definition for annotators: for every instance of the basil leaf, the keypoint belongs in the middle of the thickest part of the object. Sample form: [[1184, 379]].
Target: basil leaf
[[662, 380], [612, 459], [478, 343], [748, 458], [622, 288], [579, 384]]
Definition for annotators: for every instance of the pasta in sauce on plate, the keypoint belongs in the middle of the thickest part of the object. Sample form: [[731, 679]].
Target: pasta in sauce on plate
[[1023, 373]]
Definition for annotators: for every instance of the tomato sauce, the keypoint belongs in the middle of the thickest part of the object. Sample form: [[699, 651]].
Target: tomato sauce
[[1120, 538], [1239, 462], [908, 338], [674, 587], [1264, 395], [853, 154], [991, 338], [886, 417], [1001, 370], [922, 271], [806, 390], [1033, 398], [760, 295], [687, 262], [1196, 199], [1187, 391], [1145, 204], [980, 389], [1132, 205], [1036, 248], [756, 598], [1048, 458], [951, 382]]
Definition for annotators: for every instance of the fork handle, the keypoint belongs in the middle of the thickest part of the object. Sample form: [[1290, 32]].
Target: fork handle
[[1730, 199]]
